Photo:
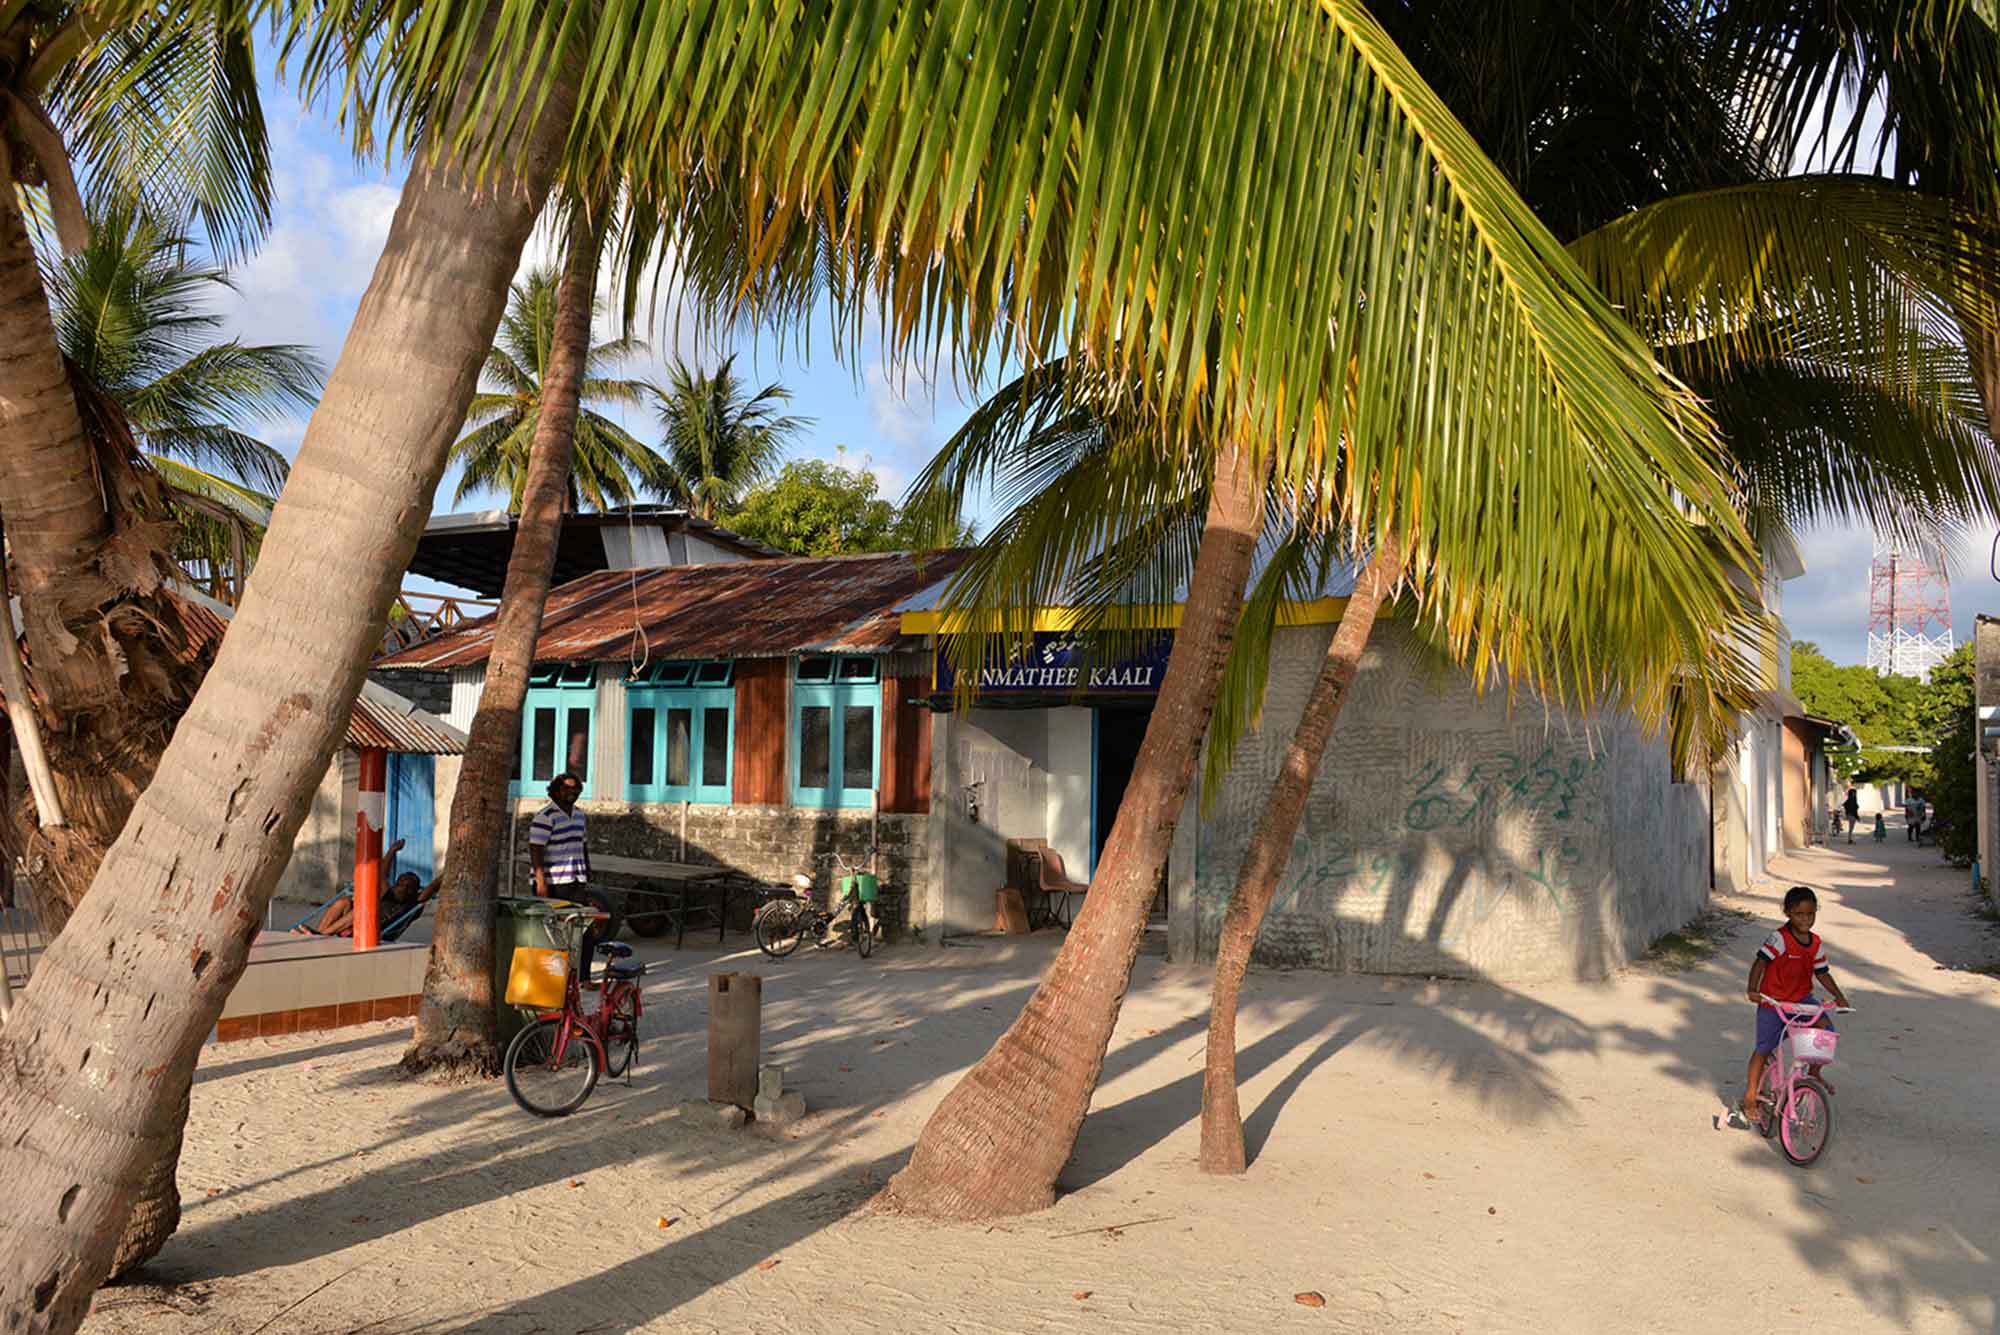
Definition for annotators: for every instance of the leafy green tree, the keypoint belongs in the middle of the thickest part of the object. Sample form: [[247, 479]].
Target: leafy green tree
[[1882, 709], [815, 507], [1946, 714], [721, 441], [132, 315], [610, 467]]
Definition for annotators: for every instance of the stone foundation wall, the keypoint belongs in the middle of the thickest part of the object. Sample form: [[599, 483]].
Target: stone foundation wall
[[761, 845]]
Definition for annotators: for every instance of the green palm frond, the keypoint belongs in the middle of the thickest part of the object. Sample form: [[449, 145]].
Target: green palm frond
[[217, 522], [228, 380], [1770, 270], [1884, 85], [491, 457], [1257, 204], [1254, 220], [1820, 445], [133, 314], [164, 110], [219, 447]]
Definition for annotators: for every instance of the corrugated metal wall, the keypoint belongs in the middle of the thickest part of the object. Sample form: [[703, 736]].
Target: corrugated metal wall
[[466, 683], [607, 760]]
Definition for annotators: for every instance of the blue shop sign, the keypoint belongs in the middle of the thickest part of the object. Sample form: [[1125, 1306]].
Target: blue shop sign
[[1059, 664]]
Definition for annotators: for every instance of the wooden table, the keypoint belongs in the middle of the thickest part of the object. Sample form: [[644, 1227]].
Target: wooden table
[[680, 875]]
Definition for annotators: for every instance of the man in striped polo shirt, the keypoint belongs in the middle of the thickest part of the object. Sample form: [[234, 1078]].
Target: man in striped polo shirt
[[556, 843]]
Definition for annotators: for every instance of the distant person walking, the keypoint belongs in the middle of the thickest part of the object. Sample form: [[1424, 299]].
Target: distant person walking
[[1915, 812], [1852, 806], [557, 841]]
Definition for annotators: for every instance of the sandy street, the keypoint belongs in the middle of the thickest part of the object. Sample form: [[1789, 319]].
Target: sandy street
[[1428, 1157]]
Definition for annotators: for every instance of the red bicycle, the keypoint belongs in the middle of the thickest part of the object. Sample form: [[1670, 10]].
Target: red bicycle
[[554, 1063]]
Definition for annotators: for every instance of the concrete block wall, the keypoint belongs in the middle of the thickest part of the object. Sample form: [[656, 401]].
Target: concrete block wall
[[323, 851], [757, 844], [1446, 835]]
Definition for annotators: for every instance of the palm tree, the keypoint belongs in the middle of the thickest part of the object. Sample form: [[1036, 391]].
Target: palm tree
[[456, 1027], [153, 103], [141, 992], [718, 442], [611, 467], [1805, 310], [131, 315]]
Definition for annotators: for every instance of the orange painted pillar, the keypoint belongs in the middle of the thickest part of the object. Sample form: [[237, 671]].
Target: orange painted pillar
[[368, 823]]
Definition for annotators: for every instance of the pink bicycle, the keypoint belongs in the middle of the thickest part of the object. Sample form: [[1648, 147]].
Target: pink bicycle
[[1794, 1102]]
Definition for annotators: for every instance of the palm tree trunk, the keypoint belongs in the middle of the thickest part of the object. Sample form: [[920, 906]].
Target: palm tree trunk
[[49, 489], [1000, 1138], [105, 1037], [94, 618], [455, 1025], [1271, 847]]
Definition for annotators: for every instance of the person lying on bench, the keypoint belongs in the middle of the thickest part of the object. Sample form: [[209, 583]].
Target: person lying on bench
[[398, 899]]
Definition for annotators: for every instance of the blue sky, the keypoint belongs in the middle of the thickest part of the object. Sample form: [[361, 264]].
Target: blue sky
[[332, 215]]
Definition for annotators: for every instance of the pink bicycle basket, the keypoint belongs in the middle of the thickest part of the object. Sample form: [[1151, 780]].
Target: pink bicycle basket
[[1814, 1045]]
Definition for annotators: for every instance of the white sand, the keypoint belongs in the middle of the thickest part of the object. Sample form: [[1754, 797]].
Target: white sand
[[1427, 1156]]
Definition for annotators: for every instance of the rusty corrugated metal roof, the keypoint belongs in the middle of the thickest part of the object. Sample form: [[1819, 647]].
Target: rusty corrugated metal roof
[[744, 609], [380, 718]]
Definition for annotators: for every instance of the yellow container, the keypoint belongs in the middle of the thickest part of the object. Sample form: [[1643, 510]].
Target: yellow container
[[538, 977]]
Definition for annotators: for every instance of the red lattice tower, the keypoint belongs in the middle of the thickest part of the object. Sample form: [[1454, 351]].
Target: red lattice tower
[[1909, 613]]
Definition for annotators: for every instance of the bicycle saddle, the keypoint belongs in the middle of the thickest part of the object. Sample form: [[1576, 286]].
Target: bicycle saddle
[[621, 967], [616, 949]]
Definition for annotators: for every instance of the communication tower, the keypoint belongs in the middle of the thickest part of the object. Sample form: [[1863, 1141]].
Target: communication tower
[[1909, 613]]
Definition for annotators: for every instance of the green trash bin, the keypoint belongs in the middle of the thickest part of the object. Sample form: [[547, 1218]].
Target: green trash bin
[[519, 921]]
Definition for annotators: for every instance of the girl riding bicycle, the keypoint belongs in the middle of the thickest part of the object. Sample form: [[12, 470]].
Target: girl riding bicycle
[[1788, 962]]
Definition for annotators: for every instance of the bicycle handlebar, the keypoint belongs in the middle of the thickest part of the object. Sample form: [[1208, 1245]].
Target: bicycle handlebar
[[1817, 1008]]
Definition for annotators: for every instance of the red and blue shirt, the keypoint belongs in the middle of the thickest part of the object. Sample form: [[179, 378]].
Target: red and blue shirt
[[1789, 967]]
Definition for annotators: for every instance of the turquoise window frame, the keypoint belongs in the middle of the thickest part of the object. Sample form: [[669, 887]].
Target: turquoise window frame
[[835, 683], [671, 686], [567, 689]]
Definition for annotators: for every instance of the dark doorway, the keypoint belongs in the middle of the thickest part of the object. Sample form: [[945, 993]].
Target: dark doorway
[[1114, 749]]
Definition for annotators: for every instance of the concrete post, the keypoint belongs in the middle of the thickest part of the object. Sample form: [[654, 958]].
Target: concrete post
[[369, 821], [735, 1020]]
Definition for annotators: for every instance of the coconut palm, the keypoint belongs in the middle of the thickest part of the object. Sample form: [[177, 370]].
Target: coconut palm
[[611, 467], [132, 316], [1808, 312], [146, 102], [720, 441]]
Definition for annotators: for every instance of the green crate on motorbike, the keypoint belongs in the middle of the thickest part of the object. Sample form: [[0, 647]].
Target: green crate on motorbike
[[863, 885]]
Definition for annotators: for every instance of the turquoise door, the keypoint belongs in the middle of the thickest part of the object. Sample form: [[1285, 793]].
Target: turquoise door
[[411, 814]]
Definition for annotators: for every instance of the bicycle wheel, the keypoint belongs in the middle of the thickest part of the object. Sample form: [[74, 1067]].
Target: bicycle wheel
[[1806, 1127], [864, 931], [621, 1032], [779, 930], [538, 1082]]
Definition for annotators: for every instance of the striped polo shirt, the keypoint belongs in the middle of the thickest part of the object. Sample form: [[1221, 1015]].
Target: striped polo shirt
[[560, 836]]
